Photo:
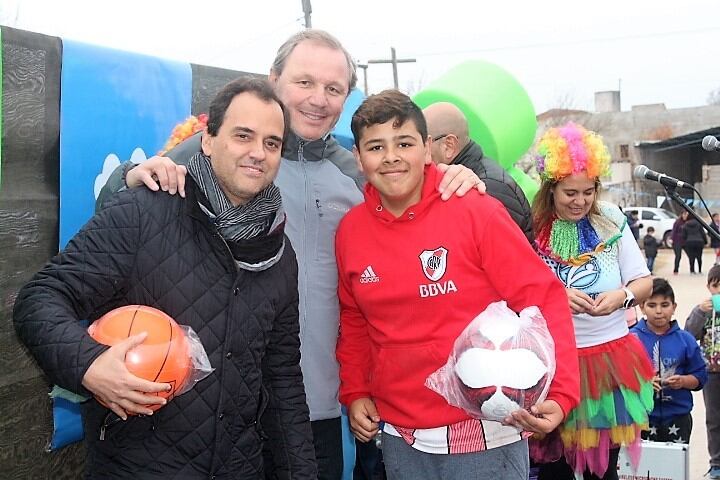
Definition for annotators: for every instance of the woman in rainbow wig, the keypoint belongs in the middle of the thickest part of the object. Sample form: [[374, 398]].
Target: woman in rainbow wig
[[588, 245]]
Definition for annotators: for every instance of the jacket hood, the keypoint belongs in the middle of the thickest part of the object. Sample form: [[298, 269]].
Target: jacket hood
[[643, 327], [429, 194]]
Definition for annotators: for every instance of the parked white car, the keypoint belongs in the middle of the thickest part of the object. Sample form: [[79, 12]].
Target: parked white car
[[660, 219]]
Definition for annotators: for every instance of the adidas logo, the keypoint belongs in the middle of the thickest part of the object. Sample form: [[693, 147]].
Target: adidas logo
[[368, 276]]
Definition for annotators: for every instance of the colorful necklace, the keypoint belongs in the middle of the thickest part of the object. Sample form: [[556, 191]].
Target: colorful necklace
[[574, 243]]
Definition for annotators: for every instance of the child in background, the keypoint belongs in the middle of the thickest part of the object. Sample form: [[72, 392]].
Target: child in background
[[650, 245], [678, 362], [704, 324]]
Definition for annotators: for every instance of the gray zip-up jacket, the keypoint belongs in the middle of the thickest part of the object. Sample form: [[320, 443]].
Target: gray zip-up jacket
[[319, 182]]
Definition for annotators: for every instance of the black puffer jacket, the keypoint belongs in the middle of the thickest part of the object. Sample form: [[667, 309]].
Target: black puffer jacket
[[650, 244], [694, 234], [160, 250], [499, 184]]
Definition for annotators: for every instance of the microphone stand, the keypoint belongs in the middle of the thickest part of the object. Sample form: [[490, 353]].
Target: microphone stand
[[672, 193]]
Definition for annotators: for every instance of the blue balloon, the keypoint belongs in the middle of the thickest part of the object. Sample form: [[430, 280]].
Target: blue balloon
[[342, 132]]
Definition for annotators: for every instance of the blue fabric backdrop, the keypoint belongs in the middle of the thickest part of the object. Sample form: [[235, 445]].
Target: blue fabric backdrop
[[112, 103]]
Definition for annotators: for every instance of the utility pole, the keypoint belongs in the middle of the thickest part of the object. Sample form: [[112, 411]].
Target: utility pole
[[307, 9], [394, 60], [364, 67]]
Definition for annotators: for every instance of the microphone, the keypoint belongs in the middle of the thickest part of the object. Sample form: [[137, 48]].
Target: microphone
[[644, 173], [710, 143]]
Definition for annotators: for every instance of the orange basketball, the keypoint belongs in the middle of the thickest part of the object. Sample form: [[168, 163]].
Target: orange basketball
[[163, 357]]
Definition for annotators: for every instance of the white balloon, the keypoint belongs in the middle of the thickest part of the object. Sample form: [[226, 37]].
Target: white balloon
[[518, 368]]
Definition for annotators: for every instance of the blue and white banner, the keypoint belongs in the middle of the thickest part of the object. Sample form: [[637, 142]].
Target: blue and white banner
[[114, 106]]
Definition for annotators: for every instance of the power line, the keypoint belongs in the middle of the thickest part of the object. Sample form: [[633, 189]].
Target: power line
[[222, 53], [570, 42], [392, 60], [268, 33]]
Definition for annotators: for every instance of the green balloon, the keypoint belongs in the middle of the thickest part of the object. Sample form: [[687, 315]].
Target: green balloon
[[501, 117], [526, 183]]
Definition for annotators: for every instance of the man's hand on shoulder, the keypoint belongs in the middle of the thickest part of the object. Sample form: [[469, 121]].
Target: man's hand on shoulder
[[458, 180], [110, 381], [158, 173]]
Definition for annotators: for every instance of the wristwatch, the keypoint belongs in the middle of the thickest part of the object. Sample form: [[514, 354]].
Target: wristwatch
[[629, 299]]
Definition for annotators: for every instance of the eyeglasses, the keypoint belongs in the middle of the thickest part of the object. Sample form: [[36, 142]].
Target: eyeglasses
[[435, 139]]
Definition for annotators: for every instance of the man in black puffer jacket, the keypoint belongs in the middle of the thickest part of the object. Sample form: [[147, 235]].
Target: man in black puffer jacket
[[218, 261], [448, 128]]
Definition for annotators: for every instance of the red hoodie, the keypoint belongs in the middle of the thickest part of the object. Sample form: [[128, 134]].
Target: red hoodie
[[401, 312]]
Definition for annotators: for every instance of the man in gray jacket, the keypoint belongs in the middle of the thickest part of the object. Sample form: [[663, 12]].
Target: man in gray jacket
[[319, 181], [448, 128]]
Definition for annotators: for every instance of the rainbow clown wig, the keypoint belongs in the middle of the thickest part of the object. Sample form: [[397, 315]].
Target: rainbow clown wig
[[570, 149]]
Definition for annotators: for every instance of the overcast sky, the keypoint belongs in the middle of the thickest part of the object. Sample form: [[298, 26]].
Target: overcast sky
[[561, 51]]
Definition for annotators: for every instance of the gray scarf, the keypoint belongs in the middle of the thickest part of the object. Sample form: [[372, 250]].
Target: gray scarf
[[253, 230]]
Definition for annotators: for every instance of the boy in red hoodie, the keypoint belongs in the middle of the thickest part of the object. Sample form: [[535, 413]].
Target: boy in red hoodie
[[413, 272]]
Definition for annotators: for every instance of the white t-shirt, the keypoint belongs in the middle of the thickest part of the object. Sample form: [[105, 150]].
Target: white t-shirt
[[467, 436], [614, 268]]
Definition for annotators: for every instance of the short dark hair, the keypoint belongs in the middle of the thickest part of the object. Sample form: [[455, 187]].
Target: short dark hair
[[650, 229], [662, 288], [259, 87], [385, 106], [714, 274]]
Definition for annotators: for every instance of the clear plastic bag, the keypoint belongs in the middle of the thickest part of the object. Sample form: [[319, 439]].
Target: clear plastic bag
[[199, 362], [500, 363]]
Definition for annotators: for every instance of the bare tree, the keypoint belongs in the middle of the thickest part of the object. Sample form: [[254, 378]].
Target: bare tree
[[713, 97], [564, 111], [554, 117], [565, 101], [414, 86]]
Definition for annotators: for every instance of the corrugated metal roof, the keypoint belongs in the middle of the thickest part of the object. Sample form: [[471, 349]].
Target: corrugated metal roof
[[688, 140]]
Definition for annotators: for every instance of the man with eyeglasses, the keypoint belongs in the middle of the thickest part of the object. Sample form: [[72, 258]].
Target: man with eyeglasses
[[451, 145]]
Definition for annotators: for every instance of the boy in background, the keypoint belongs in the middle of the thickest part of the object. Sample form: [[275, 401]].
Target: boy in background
[[679, 365], [704, 324], [650, 246]]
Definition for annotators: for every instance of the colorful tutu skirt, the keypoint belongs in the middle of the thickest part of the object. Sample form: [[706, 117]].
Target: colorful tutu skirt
[[616, 396]]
